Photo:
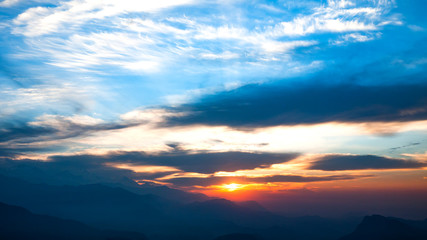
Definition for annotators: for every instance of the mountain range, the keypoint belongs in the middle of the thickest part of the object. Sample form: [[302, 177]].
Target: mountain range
[[100, 211]]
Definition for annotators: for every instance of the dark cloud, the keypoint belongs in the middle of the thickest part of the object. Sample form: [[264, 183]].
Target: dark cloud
[[382, 87], [360, 162], [295, 178], [51, 172], [86, 169], [16, 151], [20, 131], [190, 181], [19, 137], [269, 105], [190, 162]]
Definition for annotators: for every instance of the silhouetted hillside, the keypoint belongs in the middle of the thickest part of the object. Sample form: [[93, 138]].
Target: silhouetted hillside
[[227, 210], [169, 193], [253, 205], [253, 219], [238, 236], [112, 208], [17, 223], [378, 227], [106, 207], [96, 205]]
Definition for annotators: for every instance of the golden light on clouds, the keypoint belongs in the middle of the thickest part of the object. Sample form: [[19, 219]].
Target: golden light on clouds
[[145, 168], [184, 175], [148, 136], [293, 167]]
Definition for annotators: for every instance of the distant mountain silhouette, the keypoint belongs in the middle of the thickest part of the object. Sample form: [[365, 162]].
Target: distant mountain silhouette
[[95, 204], [247, 215], [377, 227], [238, 236], [161, 218], [17, 223], [169, 193], [253, 205], [253, 219], [113, 208], [38, 173]]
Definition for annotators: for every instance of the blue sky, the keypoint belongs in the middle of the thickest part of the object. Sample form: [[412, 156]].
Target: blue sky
[[121, 57], [309, 77]]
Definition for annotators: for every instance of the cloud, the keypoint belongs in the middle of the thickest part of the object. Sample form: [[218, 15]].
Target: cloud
[[417, 156], [147, 46], [404, 146], [355, 37], [47, 128], [9, 3], [38, 21], [223, 55], [21, 130], [87, 52], [336, 16], [270, 105], [415, 28], [361, 162], [280, 47], [197, 181], [73, 172], [189, 162], [121, 167], [125, 168], [188, 47], [67, 35], [62, 97]]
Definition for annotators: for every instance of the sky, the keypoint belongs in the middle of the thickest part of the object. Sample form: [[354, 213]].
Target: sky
[[237, 99]]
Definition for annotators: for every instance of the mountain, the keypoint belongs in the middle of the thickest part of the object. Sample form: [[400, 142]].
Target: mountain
[[238, 236], [97, 205], [159, 218], [17, 223], [108, 207], [253, 205], [385, 228], [53, 173], [251, 218], [246, 215], [169, 193]]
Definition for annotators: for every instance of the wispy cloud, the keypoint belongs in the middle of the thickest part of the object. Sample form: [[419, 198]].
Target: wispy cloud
[[65, 35], [355, 37], [51, 133], [88, 52], [9, 3], [42, 96], [337, 16], [44, 20]]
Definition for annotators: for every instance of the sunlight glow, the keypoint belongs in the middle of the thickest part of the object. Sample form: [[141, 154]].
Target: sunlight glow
[[232, 187]]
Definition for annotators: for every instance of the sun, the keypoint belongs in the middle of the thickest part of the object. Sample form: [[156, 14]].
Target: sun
[[232, 186]]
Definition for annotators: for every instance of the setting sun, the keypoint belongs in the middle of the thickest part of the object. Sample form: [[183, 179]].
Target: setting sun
[[232, 186]]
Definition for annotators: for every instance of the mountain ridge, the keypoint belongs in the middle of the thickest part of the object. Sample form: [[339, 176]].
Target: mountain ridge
[[387, 228]]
